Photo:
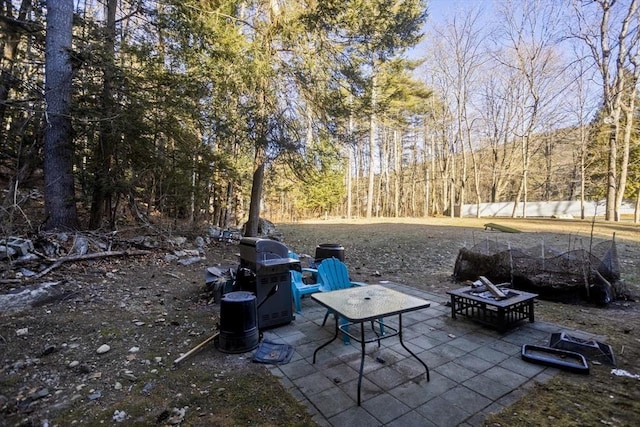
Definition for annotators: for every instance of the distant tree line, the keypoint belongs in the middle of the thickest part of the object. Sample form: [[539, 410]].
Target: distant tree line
[[538, 106], [221, 110]]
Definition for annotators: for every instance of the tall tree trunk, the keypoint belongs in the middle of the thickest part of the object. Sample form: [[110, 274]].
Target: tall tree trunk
[[59, 189], [583, 168], [516, 201], [629, 111], [636, 212], [414, 176], [612, 173], [192, 195], [349, 181], [102, 186], [359, 154], [461, 177], [522, 189], [383, 204], [350, 148], [476, 174], [525, 175], [427, 192], [262, 124], [397, 157], [452, 180], [223, 222], [463, 181], [251, 228], [430, 177], [372, 144]]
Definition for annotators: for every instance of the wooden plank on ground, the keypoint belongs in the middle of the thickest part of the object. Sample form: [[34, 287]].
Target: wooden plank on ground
[[503, 228]]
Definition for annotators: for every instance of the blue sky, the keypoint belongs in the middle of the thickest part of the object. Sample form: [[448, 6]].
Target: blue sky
[[441, 10]]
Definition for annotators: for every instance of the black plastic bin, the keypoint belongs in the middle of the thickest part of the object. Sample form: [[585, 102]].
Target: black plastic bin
[[238, 323], [329, 250]]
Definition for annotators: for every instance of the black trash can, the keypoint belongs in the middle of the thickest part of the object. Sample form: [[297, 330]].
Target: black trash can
[[329, 250], [238, 323]]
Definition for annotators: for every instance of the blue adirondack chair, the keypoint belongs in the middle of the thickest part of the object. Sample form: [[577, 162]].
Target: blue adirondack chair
[[299, 287], [333, 275]]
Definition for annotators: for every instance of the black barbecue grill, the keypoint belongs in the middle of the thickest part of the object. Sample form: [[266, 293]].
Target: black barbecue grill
[[264, 269]]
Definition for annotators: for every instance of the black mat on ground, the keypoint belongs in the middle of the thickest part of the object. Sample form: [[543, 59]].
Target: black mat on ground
[[269, 352]]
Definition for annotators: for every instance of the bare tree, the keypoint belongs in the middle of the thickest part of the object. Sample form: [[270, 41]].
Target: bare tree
[[629, 108], [611, 34], [498, 116], [445, 147], [459, 59], [580, 106], [531, 31]]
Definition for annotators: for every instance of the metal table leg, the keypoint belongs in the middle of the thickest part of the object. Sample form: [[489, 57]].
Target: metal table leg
[[362, 344], [405, 347], [335, 335]]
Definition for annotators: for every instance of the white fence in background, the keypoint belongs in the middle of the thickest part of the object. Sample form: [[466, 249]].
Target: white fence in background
[[563, 209]]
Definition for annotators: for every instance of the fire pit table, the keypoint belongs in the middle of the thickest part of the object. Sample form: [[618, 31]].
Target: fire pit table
[[487, 309]]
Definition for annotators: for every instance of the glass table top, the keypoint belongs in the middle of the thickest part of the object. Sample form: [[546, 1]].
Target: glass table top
[[363, 303]]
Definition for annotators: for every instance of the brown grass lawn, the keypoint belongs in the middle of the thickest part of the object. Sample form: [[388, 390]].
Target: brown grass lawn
[[51, 371], [421, 253]]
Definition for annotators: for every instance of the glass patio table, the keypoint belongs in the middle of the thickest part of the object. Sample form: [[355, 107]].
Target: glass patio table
[[371, 303]]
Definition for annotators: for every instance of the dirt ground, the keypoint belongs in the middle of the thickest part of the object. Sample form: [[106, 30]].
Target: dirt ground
[[149, 309]]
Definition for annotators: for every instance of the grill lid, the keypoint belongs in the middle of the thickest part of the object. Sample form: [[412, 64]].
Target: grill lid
[[260, 253], [255, 249]]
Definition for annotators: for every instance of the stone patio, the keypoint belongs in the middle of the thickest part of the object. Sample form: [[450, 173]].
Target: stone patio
[[475, 371]]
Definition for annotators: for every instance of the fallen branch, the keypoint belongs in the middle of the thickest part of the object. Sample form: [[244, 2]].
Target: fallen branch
[[84, 257], [58, 262]]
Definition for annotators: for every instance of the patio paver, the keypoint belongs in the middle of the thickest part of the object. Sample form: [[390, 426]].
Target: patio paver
[[474, 371]]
